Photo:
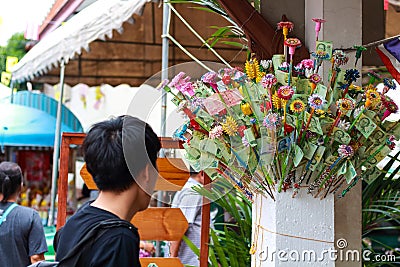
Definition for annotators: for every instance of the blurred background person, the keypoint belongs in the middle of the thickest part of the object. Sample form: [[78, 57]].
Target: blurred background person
[[22, 239]]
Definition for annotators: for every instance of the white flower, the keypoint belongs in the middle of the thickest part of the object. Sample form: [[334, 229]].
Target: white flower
[[266, 64], [344, 125], [357, 111]]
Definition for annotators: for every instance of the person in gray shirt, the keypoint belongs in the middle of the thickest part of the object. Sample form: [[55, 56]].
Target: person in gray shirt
[[190, 202], [22, 239]]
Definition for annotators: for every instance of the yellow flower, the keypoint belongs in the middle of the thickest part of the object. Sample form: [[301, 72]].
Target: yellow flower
[[276, 101], [252, 68], [246, 109], [260, 75], [230, 126], [297, 106]]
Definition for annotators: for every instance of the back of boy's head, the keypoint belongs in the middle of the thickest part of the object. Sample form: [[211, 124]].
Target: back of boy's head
[[10, 179], [116, 150]]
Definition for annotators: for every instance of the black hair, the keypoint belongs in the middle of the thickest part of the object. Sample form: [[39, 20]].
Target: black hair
[[116, 150], [10, 179]]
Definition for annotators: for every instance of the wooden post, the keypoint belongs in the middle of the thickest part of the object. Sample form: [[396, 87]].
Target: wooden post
[[63, 183], [205, 226], [66, 140]]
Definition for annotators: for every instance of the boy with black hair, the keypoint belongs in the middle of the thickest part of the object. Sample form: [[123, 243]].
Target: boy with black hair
[[121, 156]]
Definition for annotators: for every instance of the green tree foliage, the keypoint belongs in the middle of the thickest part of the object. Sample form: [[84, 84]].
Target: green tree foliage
[[15, 47]]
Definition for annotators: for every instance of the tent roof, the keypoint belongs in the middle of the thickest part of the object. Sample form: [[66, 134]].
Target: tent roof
[[94, 22], [26, 126], [131, 57]]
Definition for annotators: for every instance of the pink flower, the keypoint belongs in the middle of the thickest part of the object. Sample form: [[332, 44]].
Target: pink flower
[[186, 88], [209, 77], [177, 79], [268, 80], [272, 120], [285, 92], [345, 151], [215, 132], [307, 63]]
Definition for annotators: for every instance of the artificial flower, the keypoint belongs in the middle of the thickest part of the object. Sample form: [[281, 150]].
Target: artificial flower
[[307, 63], [345, 151], [292, 42], [276, 102], [239, 76], [351, 75], [316, 101], [230, 126], [284, 66], [285, 92], [286, 26], [266, 64], [297, 106], [389, 83], [372, 98], [345, 105], [344, 125], [340, 58], [210, 77], [226, 79], [269, 80], [252, 68], [272, 120], [215, 132], [246, 109], [177, 79], [315, 78]]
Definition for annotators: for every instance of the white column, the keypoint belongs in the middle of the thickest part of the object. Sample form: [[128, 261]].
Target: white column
[[306, 228], [293, 231]]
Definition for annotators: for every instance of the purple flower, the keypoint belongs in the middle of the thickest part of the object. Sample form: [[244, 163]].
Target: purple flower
[[345, 151], [316, 101], [268, 80], [245, 142]]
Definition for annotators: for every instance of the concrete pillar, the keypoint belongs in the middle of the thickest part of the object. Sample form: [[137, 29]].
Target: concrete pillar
[[293, 231], [306, 228]]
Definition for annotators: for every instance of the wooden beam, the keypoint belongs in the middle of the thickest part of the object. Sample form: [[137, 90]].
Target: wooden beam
[[160, 224], [263, 39], [161, 262]]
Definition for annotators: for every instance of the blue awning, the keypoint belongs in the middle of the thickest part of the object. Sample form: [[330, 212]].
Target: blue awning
[[28, 126]]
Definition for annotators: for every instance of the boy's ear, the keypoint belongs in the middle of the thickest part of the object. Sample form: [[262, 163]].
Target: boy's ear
[[148, 178]]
